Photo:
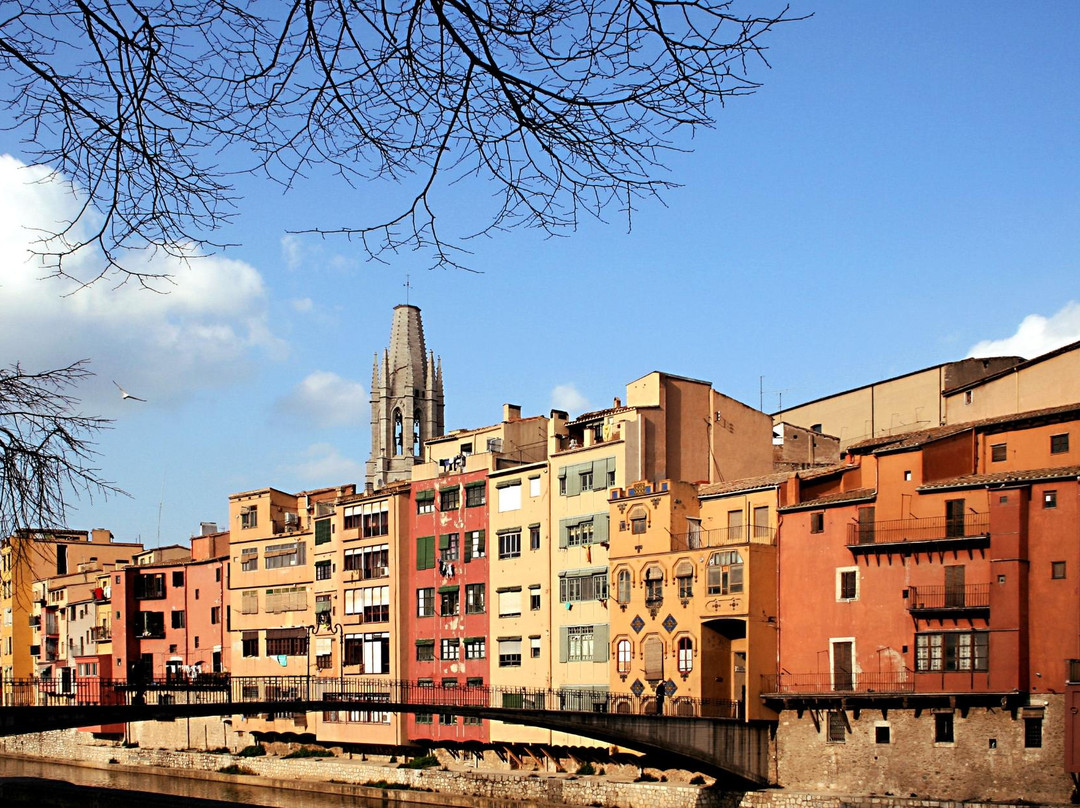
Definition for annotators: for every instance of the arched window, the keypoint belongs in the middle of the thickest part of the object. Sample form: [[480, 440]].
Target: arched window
[[622, 654], [623, 588], [653, 651], [686, 655], [654, 586], [684, 577], [398, 432], [416, 434]]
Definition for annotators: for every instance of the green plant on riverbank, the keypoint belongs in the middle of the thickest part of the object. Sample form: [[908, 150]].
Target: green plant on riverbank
[[309, 752], [586, 768], [252, 751], [385, 786], [425, 762], [234, 768]]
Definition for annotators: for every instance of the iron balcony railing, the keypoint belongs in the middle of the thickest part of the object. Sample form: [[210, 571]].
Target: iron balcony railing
[[948, 598], [215, 688], [724, 537], [931, 529], [810, 684]]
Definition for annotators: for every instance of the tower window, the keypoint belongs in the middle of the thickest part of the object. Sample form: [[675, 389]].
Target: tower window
[[416, 434], [398, 432]]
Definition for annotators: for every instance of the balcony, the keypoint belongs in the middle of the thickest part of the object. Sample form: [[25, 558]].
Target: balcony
[[971, 600], [972, 530], [822, 684], [723, 537], [862, 690], [100, 633]]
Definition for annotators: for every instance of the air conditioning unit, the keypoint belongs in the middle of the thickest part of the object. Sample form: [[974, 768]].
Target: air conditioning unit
[[494, 444], [291, 520], [380, 572]]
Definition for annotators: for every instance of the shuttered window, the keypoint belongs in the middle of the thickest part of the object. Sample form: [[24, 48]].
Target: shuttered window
[[249, 602], [425, 552], [653, 650]]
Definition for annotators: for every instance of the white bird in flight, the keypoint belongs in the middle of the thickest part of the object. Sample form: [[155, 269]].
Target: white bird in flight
[[124, 394]]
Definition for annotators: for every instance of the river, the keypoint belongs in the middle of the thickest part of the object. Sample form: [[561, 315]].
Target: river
[[52, 784]]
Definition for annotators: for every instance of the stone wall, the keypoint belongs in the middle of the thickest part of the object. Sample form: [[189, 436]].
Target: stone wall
[[986, 761]]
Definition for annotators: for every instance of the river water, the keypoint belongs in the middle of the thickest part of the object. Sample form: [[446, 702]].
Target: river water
[[46, 783]]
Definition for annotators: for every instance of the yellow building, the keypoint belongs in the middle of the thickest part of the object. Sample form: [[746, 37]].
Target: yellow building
[[693, 585], [35, 555]]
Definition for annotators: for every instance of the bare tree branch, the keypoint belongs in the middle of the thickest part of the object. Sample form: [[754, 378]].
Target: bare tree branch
[[568, 107], [46, 448]]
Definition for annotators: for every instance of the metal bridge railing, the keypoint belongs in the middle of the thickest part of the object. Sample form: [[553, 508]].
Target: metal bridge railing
[[286, 690]]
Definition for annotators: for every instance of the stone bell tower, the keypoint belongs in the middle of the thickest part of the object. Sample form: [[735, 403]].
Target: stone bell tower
[[406, 401]]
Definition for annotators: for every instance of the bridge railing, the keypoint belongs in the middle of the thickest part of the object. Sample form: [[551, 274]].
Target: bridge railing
[[286, 690]]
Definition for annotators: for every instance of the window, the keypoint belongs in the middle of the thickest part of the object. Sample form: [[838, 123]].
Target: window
[[249, 559], [510, 652], [475, 545], [638, 525], [278, 556], [450, 649], [371, 562], [1033, 732], [1057, 570], [449, 601], [286, 642], [735, 527], [322, 531], [425, 552], [510, 543], [475, 495], [534, 647], [622, 656], [724, 575], [450, 498], [534, 537], [449, 547], [509, 496], [952, 651], [586, 478], [684, 579], [370, 650], [817, 522], [837, 732], [583, 530], [882, 734], [323, 610], [654, 586], [322, 570], [425, 501], [373, 518], [760, 515], [943, 728], [653, 651], [425, 602], [969, 396], [425, 650], [474, 598], [1049, 499], [999, 452], [178, 578], [249, 602], [286, 599], [150, 587], [372, 602], [534, 598], [578, 587], [250, 643], [215, 615], [622, 584], [686, 654], [580, 643], [475, 648], [249, 517], [847, 584], [1059, 444], [596, 475], [510, 602], [534, 486], [178, 619]]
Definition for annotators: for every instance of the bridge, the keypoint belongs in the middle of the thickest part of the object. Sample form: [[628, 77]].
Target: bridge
[[697, 734]]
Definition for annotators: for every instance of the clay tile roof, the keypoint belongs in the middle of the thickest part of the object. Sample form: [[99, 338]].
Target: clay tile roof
[[855, 495], [909, 440], [1025, 475], [745, 484], [592, 416]]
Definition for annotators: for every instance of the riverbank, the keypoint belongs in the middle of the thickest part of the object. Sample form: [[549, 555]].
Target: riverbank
[[340, 780]]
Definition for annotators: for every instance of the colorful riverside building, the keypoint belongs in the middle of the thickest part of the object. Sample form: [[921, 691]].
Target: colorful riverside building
[[36, 555], [929, 614], [448, 560]]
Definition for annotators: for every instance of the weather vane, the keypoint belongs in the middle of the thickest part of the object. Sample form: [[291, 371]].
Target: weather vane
[[408, 287]]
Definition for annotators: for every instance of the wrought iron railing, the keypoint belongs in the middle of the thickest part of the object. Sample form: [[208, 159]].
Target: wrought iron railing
[[935, 528], [902, 681], [723, 537], [943, 598], [288, 690]]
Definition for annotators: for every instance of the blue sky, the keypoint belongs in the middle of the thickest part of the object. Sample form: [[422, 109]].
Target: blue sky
[[903, 190]]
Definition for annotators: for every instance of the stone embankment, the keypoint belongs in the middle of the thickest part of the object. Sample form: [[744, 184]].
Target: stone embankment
[[444, 786]]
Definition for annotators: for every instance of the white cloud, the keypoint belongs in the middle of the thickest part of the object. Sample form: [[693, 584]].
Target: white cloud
[[566, 397], [326, 399], [1036, 335], [302, 305], [292, 251], [326, 466], [202, 333]]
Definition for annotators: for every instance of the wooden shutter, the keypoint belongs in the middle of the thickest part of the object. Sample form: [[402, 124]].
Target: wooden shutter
[[564, 643], [425, 552], [600, 528], [653, 651], [601, 643]]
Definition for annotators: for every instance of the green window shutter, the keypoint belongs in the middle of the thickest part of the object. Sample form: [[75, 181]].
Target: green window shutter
[[563, 525], [444, 541], [573, 480], [600, 528], [468, 548], [601, 644], [451, 588], [322, 531], [564, 643], [482, 544], [600, 469], [426, 496], [425, 552]]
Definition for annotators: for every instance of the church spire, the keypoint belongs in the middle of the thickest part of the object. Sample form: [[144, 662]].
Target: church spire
[[406, 401]]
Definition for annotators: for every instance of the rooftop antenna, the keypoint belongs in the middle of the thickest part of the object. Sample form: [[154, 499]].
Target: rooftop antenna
[[408, 287]]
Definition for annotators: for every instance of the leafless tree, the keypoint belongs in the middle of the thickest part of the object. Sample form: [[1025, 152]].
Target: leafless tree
[[46, 448], [566, 107]]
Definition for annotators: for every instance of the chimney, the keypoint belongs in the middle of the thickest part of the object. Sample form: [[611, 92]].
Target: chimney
[[206, 528], [511, 412]]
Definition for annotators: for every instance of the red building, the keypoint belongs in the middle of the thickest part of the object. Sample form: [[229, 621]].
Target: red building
[[446, 569], [929, 611]]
